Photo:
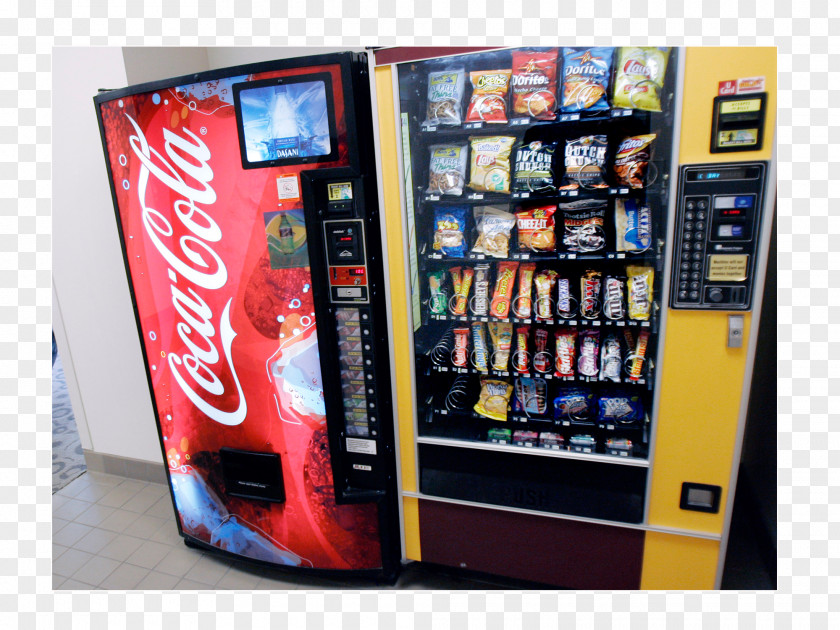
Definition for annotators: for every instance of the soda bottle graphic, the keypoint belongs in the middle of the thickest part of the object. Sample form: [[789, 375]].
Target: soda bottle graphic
[[285, 138], [287, 236]]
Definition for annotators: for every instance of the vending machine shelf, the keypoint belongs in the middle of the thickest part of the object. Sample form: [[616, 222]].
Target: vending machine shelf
[[537, 451]]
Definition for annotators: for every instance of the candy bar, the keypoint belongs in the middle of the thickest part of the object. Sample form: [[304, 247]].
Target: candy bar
[[588, 358], [481, 302], [544, 282], [520, 355], [522, 304], [437, 299], [505, 276], [500, 337], [613, 298], [564, 362], [590, 292], [611, 359], [639, 292], [542, 359], [463, 291], [479, 347], [459, 354]]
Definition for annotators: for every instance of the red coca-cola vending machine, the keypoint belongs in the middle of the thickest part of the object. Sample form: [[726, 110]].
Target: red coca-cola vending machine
[[246, 202]]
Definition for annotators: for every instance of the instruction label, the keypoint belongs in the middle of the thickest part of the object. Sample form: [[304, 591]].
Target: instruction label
[[728, 268]]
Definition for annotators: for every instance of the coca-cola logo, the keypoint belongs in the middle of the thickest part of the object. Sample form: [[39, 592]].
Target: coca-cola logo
[[192, 260]]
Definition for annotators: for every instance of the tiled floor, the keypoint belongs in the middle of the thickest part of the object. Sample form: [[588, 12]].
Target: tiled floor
[[116, 533]]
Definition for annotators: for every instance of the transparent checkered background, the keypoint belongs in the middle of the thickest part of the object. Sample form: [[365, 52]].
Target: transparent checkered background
[[809, 457]]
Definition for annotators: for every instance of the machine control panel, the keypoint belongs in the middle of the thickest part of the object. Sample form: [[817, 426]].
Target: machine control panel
[[717, 225], [346, 264]]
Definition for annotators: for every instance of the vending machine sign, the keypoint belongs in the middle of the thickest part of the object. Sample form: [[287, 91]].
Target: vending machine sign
[[217, 260]]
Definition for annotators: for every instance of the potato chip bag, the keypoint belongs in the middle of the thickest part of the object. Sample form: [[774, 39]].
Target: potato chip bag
[[639, 77], [490, 163], [494, 398]]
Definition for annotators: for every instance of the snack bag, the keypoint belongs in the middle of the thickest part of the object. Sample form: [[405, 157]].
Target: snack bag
[[638, 355], [573, 403], [532, 167], [459, 353], [583, 225], [494, 398], [447, 169], [500, 336], [490, 163], [564, 298], [522, 304], [535, 228], [584, 159], [620, 407], [493, 225], [488, 102], [633, 229], [590, 294], [586, 74], [463, 292], [437, 299], [443, 102], [505, 275], [520, 355], [542, 358], [544, 281], [588, 356], [481, 300], [611, 362], [614, 298], [479, 354], [450, 223], [639, 77], [564, 356], [534, 83], [639, 292], [530, 395], [632, 160]]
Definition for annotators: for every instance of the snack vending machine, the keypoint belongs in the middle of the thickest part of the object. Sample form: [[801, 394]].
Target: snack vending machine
[[248, 217], [570, 266]]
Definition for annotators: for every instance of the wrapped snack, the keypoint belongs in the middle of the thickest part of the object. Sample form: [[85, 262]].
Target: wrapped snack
[[564, 361], [614, 298], [490, 163], [480, 302], [639, 77], [638, 357], [582, 442], [488, 102], [535, 229], [499, 436], [530, 395], [450, 223], [583, 225], [619, 444], [532, 167], [493, 225], [437, 299], [520, 354], [611, 358], [534, 83], [479, 353], [629, 345], [639, 292], [553, 441], [584, 160], [447, 169], [500, 336], [633, 230], [573, 403], [544, 281], [455, 274], [462, 292], [620, 407], [586, 74], [523, 437], [542, 358], [564, 298], [588, 357], [590, 294], [459, 353], [632, 160], [443, 101], [522, 303], [494, 398], [505, 276]]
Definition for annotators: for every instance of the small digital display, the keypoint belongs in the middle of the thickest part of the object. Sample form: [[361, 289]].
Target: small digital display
[[734, 212], [750, 172], [286, 120], [359, 271]]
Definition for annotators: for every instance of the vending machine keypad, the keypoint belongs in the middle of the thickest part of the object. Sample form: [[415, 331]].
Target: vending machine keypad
[[717, 224]]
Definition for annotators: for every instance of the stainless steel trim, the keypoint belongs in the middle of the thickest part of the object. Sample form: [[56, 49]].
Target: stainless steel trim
[[540, 452], [377, 147], [666, 271], [566, 517], [758, 298]]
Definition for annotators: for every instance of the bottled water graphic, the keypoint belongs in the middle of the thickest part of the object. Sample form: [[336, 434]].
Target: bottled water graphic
[[285, 137], [285, 121]]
